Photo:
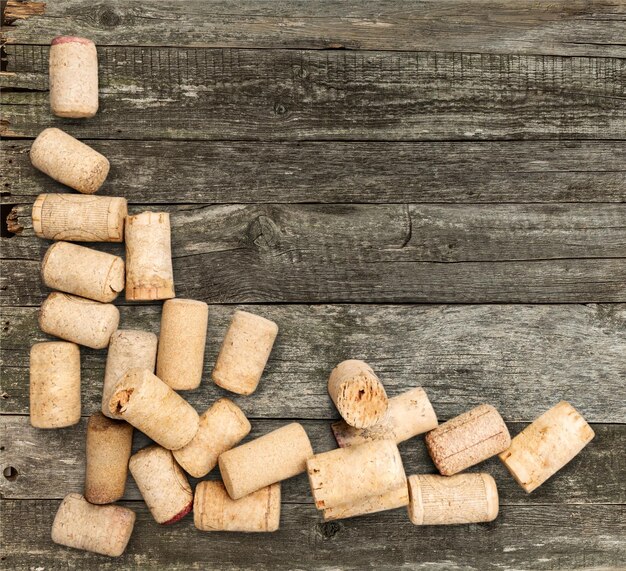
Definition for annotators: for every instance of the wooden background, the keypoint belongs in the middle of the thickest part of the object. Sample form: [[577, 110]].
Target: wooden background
[[436, 187]]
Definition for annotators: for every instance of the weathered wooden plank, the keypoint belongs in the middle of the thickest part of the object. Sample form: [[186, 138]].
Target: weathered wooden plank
[[523, 537], [502, 26], [522, 359], [240, 172], [204, 94]]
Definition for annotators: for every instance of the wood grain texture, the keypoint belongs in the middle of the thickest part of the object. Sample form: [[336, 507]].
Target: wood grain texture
[[340, 172], [208, 94], [503, 26], [522, 359]]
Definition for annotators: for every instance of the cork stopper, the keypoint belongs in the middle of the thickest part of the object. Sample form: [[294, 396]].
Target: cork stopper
[[396, 498]]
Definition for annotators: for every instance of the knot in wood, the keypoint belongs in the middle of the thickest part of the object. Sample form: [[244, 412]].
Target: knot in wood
[[110, 19], [329, 529], [263, 232], [280, 109]]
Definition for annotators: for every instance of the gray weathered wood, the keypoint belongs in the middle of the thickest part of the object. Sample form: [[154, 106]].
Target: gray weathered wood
[[505, 26], [522, 359], [166, 93]]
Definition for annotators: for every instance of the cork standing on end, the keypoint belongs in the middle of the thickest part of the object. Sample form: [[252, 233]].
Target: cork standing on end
[[396, 498]]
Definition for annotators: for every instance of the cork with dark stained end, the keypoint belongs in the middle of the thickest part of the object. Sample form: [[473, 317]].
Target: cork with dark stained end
[[443, 500], [99, 529], [358, 394], [68, 161], [467, 440], [396, 498], [215, 510], [162, 483], [546, 445], [79, 218], [149, 272], [408, 415], [109, 445]]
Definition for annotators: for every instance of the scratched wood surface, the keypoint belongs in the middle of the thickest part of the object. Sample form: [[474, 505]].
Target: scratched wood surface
[[437, 187]]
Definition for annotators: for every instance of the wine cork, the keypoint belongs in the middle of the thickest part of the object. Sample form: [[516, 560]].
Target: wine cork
[[101, 529], [244, 353], [73, 68], [162, 483], [276, 456], [446, 500], [79, 320], [68, 161], [149, 272], [347, 475], [546, 445], [82, 271], [222, 426], [109, 444], [146, 402], [396, 498], [467, 439], [357, 393], [214, 510], [182, 340], [54, 384], [128, 349], [408, 415], [79, 218]]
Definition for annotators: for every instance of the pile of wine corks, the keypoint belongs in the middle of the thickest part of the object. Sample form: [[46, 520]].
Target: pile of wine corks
[[144, 374]]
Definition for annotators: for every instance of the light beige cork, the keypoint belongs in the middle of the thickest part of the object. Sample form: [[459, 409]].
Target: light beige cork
[[222, 426], [244, 353], [347, 475], [68, 161], [408, 415], [54, 384], [162, 483], [128, 349], [468, 439], [358, 394], [146, 402], [546, 445], [73, 70], [396, 498], [276, 456], [100, 529], [214, 510], [182, 340], [446, 500], [79, 218], [79, 320], [149, 272], [83, 271], [109, 444]]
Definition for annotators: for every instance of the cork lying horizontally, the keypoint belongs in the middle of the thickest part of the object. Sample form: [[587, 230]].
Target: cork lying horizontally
[[396, 498], [546, 445], [100, 529]]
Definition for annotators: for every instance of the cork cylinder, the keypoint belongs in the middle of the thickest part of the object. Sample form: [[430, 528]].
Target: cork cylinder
[[442, 500], [146, 402], [73, 68], [109, 444], [276, 456], [347, 475], [79, 218], [357, 393], [408, 415], [467, 440], [162, 483], [149, 272], [182, 340], [546, 445], [244, 353], [100, 529], [83, 271], [79, 320], [128, 349], [215, 510], [222, 426], [68, 161], [396, 498], [54, 384]]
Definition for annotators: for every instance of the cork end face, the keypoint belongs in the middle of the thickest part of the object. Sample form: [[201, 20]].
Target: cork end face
[[71, 40], [362, 402], [74, 114], [491, 497], [179, 515]]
